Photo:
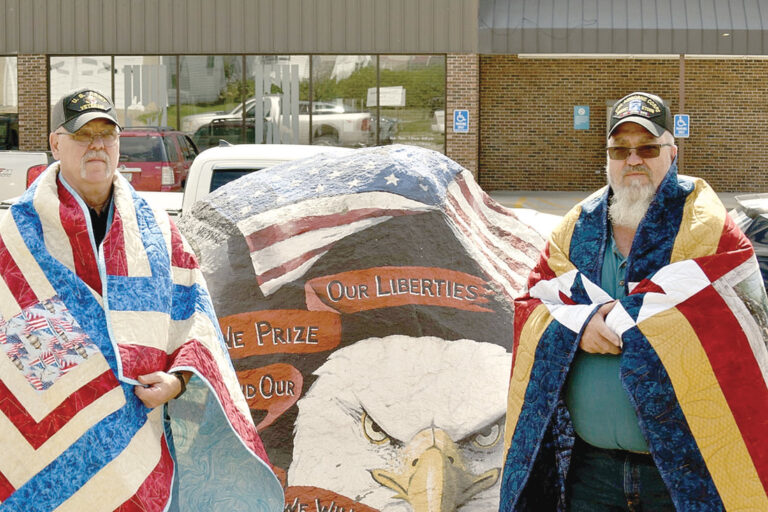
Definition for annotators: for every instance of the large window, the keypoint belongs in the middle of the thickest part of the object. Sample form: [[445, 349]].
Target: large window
[[339, 100], [71, 73], [341, 114], [277, 93], [412, 98], [209, 87], [9, 104], [144, 92]]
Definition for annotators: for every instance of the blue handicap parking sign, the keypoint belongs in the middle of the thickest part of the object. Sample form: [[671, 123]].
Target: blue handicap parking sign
[[461, 121], [682, 125]]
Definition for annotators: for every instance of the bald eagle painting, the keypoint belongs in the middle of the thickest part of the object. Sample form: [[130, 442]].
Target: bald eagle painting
[[367, 303], [406, 424]]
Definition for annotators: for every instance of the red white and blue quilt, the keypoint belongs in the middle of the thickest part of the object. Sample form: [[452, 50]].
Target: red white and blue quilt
[[78, 325]]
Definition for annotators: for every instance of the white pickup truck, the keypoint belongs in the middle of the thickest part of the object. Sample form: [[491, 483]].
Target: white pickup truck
[[14, 166], [332, 125], [218, 166], [210, 170]]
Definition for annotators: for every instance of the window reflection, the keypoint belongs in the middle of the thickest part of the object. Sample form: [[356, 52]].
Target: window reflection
[[413, 99], [339, 100], [209, 87], [278, 86], [70, 73], [341, 114], [9, 104], [144, 91]]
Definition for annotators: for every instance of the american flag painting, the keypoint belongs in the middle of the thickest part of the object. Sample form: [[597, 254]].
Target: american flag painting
[[291, 215]]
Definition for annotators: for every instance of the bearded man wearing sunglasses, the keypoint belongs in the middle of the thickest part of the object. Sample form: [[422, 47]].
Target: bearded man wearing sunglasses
[[640, 365], [105, 322]]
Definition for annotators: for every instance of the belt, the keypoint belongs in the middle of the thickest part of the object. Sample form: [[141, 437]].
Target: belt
[[620, 455]]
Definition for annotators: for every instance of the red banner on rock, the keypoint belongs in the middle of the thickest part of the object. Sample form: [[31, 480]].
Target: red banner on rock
[[274, 388], [280, 331], [384, 287]]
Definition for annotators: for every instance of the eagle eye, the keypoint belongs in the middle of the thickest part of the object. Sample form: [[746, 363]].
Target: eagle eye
[[373, 432], [487, 437]]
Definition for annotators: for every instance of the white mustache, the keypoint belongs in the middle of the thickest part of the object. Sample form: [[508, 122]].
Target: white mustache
[[635, 168], [98, 154]]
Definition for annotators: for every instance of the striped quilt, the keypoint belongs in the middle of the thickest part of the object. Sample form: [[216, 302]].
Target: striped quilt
[[77, 327], [694, 361]]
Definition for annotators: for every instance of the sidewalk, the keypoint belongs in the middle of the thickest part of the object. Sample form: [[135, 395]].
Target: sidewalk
[[559, 202]]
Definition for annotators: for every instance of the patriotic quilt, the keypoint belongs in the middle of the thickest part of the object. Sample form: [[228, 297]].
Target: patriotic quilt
[[694, 360], [366, 302], [77, 327]]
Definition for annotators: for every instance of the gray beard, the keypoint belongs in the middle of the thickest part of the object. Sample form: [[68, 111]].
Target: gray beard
[[629, 203]]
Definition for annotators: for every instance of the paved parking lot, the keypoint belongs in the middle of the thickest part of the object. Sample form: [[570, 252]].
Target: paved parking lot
[[559, 202]]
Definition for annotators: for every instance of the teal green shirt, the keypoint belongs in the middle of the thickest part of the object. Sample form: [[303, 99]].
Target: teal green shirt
[[600, 408]]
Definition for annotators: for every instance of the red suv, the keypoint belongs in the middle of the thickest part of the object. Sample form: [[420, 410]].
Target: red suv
[[153, 158]]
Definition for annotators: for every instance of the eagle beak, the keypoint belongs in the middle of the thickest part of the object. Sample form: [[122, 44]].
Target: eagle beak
[[434, 477]]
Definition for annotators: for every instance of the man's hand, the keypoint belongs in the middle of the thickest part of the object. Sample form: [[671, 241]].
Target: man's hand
[[597, 337], [161, 387]]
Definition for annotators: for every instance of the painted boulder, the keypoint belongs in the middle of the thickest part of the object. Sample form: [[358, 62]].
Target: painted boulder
[[366, 301]]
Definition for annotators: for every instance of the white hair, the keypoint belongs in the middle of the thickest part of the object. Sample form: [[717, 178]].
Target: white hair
[[629, 204]]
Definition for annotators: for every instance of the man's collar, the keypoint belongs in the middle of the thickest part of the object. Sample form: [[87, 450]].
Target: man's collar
[[72, 190]]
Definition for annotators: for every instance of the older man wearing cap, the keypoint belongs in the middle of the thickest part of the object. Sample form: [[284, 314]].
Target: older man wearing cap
[[640, 365], [105, 322]]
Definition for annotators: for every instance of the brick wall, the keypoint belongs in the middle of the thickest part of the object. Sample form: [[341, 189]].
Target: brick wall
[[462, 92], [33, 102], [527, 140], [726, 100]]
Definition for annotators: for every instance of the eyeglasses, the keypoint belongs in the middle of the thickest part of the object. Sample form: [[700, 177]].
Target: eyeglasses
[[109, 139], [645, 151]]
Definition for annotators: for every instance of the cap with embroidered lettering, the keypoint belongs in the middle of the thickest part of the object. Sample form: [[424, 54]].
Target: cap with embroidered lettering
[[77, 108]]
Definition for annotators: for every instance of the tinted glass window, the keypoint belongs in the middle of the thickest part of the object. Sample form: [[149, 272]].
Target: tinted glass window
[[170, 148], [226, 129], [188, 148], [142, 149], [223, 176]]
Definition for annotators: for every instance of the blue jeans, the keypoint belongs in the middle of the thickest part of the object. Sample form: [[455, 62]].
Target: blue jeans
[[614, 480]]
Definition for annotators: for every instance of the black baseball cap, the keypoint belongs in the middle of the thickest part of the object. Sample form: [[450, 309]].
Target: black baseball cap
[[81, 106], [647, 110]]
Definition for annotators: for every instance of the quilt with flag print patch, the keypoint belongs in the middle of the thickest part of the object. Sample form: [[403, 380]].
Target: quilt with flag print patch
[[694, 361], [78, 325]]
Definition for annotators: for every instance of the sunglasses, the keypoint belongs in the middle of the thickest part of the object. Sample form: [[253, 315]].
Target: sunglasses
[[645, 151], [109, 139]]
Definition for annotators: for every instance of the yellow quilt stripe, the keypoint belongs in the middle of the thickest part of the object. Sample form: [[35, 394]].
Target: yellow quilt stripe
[[703, 221], [560, 244], [706, 411], [532, 331]]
